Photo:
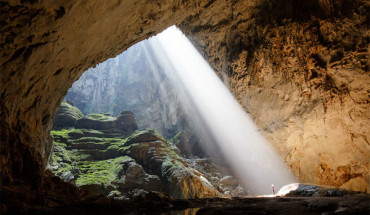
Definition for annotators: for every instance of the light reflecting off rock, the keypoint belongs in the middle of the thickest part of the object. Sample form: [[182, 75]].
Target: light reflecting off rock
[[218, 118]]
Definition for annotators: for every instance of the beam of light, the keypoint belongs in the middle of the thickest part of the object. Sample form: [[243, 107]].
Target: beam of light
[[217, 116]]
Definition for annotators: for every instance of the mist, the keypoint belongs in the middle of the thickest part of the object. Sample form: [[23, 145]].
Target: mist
[[217, 117]]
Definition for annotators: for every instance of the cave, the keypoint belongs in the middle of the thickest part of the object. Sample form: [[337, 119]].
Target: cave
[[299, 69]]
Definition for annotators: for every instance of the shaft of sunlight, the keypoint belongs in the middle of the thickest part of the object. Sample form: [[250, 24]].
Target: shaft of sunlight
[[213, 106]]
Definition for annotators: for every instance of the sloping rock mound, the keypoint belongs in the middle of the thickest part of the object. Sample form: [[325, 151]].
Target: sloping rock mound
[[66, 116], [180, 180], [97, 122], [125, 123]]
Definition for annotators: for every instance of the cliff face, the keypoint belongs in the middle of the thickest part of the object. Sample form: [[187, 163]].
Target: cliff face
[[131, 81], [301, 70]]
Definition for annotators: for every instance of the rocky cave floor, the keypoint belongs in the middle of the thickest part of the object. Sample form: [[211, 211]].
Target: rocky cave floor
[[155, 203]]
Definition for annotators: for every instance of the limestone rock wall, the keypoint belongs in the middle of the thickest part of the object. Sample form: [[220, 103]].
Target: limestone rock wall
[[301, 70]]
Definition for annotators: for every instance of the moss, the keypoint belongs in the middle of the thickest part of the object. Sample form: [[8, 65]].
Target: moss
[[93, 145], [61, 159], [141, 136], [66, 116], [60, 153], [100, 117], [60, 133], [76, 112], [77, 156], [100, 172]]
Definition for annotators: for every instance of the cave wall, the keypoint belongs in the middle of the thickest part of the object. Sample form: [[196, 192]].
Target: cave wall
[[45, 47], [299, 68]]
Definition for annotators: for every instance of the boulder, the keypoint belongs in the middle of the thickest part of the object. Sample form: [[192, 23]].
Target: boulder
[[66, 116], [144, 136], [126, 122], [298, 189], [136, 177], [97, 122]]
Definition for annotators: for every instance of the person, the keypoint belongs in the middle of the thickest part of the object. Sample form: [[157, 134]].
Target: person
[[273, 189]]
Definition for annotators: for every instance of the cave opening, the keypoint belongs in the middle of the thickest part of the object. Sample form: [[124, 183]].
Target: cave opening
[[160, 90], [310, 103]]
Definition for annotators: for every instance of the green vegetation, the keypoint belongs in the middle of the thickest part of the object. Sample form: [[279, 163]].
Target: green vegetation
[[61, 158], [72, 110], [99, 159], [100, 117], [175, 140], [100, 172], [60, 133], [141, 136]]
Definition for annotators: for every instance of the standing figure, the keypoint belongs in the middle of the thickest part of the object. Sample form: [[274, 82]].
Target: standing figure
[[273, 189]]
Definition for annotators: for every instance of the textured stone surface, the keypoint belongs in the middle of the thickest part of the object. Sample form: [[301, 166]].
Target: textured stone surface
[[300, 68], [124, 123], [66, 116], [126, 168]]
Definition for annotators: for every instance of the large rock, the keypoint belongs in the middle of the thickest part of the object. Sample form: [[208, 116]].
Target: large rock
[[312, 190], [97, 122], [66, 116], [125, 123], [180, 181]]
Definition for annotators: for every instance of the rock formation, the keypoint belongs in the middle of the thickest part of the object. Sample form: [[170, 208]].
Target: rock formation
[[66, 116], [95, 155], [300, 68]]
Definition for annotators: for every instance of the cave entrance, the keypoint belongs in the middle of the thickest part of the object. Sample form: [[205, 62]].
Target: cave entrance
[[136, 122]]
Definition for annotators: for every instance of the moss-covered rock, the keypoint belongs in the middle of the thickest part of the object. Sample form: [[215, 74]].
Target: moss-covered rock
[[66, 116], [97, 122], [142, 136], [157, 156], [143, 161], [124, 124]]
